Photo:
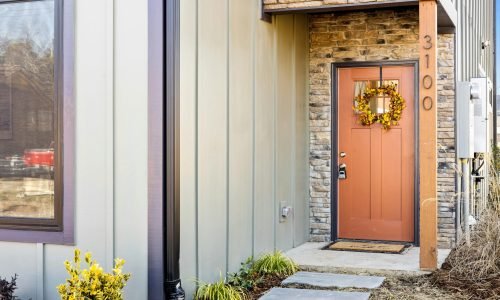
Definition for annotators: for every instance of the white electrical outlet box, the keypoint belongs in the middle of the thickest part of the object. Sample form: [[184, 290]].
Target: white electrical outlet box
[[282, 215], [480, 99], [465, 121]]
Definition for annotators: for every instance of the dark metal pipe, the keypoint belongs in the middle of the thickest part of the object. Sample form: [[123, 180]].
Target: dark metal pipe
[[171, 209]]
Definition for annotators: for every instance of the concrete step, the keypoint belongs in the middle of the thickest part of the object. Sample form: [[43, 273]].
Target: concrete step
[[288, 293], [327, 280], [311, 257]]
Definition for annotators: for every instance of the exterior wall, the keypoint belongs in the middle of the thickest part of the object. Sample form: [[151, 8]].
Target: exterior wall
[[447, 169], [380, 35], [476, 24], [280, 4], [111, 154], [243, 135], [475, 59]]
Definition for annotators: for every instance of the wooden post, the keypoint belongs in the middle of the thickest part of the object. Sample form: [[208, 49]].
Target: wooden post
[[428, 127]]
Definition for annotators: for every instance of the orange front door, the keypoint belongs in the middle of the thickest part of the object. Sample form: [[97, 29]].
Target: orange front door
[[376, 199]]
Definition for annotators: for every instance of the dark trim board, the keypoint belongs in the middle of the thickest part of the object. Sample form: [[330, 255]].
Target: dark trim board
[[334, 139], [264, 16]]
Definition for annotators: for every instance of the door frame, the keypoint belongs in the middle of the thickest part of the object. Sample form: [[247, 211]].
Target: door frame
[[334, 197]]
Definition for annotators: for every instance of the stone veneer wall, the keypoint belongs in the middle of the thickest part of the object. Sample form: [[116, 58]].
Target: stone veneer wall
[[446, 140], [377, 35], [281, 4]]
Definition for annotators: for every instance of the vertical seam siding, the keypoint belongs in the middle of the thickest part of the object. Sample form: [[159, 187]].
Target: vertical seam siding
[[228, 107], [196, 150], [275, 117], [294, 129], [253, 127]]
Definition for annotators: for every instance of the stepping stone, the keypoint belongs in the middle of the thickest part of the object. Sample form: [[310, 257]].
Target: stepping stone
[[284, 293], [327, 280]]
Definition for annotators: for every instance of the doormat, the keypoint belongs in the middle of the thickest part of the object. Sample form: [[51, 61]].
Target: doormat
[[375, 247]]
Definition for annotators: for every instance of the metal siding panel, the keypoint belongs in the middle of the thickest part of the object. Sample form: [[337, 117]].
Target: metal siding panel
[[240, 180], [131, 140], [264, 189], [284, 124], [212, 138], [94, 80], [301, 185], [476, 26], [188, 146], [21, 259]]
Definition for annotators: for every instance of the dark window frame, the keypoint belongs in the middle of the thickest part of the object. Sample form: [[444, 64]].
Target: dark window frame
[[59, 230]]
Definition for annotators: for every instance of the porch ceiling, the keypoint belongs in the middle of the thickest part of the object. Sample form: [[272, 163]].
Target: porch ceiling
[[447, 14]]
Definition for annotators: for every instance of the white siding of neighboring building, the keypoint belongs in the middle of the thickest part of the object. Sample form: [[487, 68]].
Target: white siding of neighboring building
[[476, 25]]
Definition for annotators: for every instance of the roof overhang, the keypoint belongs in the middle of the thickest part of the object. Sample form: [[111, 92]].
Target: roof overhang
[[447, 14]]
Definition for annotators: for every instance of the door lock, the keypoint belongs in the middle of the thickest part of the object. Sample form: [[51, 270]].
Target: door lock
[[342, 154], [343, 171]]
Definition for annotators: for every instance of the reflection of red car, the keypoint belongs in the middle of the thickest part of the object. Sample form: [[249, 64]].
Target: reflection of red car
[[39, 158], [39, 161]]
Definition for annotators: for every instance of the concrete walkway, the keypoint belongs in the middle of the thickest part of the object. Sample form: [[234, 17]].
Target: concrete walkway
[[328, 282], [310, 257], [325, 286], [283, 294], [334, 281]]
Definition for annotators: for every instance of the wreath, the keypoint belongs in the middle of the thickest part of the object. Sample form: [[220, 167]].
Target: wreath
[[386, 119]]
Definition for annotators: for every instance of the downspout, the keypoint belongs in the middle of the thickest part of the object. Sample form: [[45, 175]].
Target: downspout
[[171, 209]]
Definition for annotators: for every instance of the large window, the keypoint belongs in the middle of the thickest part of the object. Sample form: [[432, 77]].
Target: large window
[[30, 115]]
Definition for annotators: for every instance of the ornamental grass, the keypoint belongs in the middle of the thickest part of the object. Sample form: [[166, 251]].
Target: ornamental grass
[[219, 290]]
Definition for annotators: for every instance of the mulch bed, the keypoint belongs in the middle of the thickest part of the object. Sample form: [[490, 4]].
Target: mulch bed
[[408, 287], [267, 283]]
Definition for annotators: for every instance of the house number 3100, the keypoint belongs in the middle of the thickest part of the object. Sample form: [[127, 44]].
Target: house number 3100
[[427, 81]]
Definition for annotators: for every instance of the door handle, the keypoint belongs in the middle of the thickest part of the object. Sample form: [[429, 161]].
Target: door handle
[[342, 171], [342, 154]]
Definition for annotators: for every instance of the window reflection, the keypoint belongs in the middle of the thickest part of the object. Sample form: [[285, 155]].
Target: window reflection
[[381, 103], [27, 109]]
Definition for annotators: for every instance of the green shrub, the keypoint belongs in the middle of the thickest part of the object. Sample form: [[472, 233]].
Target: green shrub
[[7, 288], [92, 283], [275, 264], [246, 277], [219, 290]]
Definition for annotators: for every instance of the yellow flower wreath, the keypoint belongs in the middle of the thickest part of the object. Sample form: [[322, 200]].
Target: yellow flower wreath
[[386, 119]]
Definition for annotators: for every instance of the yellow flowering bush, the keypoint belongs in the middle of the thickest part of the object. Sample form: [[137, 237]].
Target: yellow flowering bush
[[92, 283], [386, 119]]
